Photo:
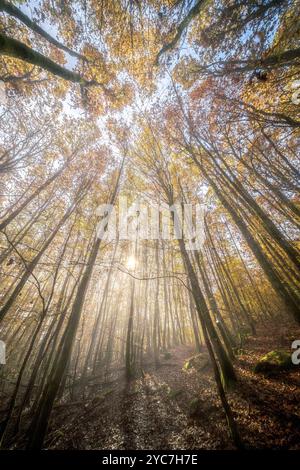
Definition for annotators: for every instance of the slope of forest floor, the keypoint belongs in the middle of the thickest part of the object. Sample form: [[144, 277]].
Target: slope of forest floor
[[155, 410]]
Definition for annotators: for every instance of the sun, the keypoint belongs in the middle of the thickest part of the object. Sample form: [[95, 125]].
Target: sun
[[131, 262]]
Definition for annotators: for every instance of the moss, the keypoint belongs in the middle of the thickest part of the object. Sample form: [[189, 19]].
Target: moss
[[194, 406], [198, 362], [274, 361], [100, 398], [187, 365], [173, 394]]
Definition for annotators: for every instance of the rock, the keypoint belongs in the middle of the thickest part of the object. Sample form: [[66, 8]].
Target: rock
[[198, 362], [273, 362]]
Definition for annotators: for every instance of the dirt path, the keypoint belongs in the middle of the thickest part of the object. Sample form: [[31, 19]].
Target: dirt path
[[155, 411], [151, 412]]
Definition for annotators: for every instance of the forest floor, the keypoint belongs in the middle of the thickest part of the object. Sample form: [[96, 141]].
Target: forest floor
[[155, 410]]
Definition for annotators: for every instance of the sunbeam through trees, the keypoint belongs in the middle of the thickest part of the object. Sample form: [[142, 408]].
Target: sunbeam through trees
[[149, 224]]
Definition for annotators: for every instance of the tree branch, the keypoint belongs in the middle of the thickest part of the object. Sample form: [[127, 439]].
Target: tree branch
[[19, 15], [180, 29], [14, 48], [221, 68]]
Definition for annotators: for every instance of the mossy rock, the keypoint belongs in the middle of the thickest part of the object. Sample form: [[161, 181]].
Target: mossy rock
[[99, 398], [273, 362], [173, 394], [198, 362], [194, 406]]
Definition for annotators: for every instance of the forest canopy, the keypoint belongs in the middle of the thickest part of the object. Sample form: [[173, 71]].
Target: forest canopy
[[177, 104]]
